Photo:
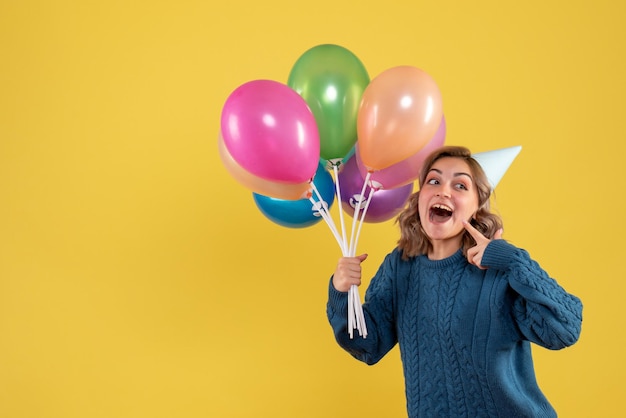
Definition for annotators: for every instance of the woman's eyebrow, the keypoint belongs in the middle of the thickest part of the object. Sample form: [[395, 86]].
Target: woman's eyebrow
[[463, 174]]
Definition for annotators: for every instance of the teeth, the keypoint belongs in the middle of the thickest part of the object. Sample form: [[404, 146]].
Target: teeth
[[443, 207]]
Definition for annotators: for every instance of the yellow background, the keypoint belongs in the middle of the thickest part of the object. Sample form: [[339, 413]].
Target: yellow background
[[138, 279]]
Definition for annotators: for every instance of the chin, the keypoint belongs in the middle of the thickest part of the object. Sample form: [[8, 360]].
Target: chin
[[443, 232]]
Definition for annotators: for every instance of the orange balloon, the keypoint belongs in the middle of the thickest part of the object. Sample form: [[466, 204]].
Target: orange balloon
[[400, 112], [259, 185]]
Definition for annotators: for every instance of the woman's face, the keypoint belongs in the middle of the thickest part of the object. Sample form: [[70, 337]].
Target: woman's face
[[446, 199]]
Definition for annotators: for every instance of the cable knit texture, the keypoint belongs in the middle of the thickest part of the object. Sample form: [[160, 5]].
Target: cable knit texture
[[464, 333]]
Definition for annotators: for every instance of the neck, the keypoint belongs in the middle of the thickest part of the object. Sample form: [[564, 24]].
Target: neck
[[441, 249]]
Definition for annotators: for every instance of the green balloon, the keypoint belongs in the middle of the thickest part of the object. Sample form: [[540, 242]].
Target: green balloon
[[331, 79]]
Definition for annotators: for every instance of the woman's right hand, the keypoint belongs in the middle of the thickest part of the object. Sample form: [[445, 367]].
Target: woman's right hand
[[348, 272]]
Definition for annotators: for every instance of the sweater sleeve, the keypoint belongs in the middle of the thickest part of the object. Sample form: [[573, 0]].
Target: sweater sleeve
[[544, 312], [378, 312]]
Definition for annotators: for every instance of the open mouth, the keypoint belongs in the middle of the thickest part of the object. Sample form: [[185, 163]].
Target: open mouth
[[440, 213]]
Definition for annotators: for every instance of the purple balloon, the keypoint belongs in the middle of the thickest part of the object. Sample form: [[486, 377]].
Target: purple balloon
[[385, 203], [270, 131], [407, 170]]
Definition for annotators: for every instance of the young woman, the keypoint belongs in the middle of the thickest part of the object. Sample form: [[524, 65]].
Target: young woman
[[463, 304]]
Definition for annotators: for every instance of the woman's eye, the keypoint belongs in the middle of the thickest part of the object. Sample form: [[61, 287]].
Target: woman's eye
[[461, 186], [432, 181]]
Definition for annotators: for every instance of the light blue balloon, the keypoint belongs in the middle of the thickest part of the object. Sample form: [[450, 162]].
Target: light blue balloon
[[299, 213]]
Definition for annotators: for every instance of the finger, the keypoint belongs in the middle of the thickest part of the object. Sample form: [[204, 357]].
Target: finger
[[470, 259], [347, 265], [498, 234], [354, 263], [473, 231], [351, 269], [477, 261], [471, 254]]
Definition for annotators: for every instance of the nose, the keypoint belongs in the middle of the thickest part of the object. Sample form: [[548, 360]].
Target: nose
[[443, 192]]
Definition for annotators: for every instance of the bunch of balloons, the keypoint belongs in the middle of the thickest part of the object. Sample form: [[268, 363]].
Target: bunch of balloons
[[281, 141]]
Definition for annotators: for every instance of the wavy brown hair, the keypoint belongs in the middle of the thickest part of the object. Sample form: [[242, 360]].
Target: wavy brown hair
[[413, 239]]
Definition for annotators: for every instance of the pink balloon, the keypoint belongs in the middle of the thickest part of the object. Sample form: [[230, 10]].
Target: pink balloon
[[407, 170], [385, 204], [270, 131], [278, 190]]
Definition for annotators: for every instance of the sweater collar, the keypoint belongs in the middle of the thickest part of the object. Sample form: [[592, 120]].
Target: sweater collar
[[454, 259]]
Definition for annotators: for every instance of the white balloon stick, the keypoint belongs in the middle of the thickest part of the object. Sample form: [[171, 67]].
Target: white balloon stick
[[341, 217], [357, 208], [328, 219]]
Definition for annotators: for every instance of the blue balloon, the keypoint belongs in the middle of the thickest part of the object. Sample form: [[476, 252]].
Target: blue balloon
[[299, 213]]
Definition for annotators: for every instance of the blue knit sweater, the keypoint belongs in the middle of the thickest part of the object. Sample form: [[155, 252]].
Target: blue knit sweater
[[464, 333]]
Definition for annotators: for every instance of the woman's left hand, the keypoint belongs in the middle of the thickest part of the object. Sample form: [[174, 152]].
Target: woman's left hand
[[475, 254]]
